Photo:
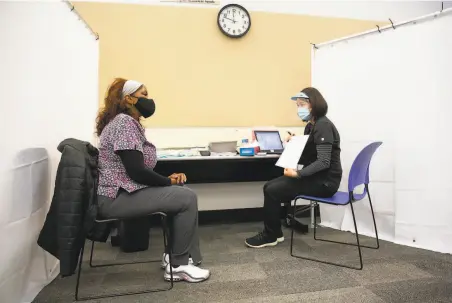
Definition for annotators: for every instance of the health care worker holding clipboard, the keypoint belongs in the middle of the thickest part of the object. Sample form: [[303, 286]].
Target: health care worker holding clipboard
[[321, 173]]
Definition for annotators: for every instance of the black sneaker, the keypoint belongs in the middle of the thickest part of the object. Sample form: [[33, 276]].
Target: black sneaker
[[262, 239]]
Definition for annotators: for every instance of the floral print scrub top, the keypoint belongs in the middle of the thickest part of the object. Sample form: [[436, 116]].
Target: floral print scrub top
[[121, 133]]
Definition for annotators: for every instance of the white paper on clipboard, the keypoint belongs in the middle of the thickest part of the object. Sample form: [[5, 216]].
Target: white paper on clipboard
[[292, 152]]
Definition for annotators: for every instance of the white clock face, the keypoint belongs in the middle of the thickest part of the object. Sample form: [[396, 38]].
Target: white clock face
[[234, 21]]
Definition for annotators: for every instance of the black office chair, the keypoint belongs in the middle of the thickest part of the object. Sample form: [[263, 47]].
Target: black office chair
[[167, 244]]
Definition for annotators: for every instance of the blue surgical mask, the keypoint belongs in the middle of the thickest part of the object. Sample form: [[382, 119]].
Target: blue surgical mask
[[304, 114]]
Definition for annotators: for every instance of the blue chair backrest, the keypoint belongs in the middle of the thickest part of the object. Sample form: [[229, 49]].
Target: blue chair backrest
[[359, 173]]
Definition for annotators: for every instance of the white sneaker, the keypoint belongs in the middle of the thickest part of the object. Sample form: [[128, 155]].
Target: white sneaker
[[188, 273], [165, 261]]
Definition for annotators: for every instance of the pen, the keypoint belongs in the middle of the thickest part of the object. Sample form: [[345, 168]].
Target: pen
[[290, 133]]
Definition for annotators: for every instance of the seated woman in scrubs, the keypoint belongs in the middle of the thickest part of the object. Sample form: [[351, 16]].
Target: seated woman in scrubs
[[321, 173], [128, 185]]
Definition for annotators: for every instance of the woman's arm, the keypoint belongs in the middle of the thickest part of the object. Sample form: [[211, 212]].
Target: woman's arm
[[134, 164], [323, 137], [323, 161]]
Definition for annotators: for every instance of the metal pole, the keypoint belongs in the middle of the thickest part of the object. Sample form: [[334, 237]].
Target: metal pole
[[72, 7], [312, 214], [391, 26]]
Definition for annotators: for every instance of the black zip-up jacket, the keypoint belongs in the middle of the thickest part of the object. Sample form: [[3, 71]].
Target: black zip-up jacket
[[74, 205]]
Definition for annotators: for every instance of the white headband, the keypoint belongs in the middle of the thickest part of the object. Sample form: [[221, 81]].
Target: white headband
[[130, 87]]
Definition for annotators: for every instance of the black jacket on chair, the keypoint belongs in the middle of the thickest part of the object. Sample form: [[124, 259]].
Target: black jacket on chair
[[74, 206]]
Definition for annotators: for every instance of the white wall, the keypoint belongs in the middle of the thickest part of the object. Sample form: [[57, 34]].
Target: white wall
[[365, 10], [395, 87], [49, 89]]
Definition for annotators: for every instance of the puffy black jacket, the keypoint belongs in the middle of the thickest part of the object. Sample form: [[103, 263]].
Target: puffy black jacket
[[74, 206]]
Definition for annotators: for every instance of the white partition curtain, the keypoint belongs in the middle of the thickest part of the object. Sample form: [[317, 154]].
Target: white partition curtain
[[395, 86], [49, 92]]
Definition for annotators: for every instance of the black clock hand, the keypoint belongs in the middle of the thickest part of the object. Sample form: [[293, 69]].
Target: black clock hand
[[230, 20]]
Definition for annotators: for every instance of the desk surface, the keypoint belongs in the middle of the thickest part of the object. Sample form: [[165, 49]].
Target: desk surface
[[237, 157]]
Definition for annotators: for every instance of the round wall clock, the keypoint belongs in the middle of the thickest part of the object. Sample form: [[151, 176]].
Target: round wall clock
[[234, 20]]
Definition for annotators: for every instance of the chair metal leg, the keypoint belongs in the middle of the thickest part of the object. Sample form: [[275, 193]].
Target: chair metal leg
[[91, 256], [117, 263], [326, 262], [373, 217], [168, 247], [293, 225], [166, 244], [357, 238], [79, 270], [354, 244], [313, 222], [292, 229], [165, 241]]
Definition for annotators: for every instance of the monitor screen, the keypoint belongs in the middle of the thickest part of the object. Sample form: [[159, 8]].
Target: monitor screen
[[269, 140]]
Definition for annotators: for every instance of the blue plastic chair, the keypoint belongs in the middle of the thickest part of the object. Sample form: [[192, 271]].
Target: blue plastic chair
[[359, 175]]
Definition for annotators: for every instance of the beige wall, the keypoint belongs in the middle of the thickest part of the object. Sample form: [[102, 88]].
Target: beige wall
[[198, 76]]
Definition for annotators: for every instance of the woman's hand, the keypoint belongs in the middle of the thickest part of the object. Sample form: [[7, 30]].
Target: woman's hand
[[289, 136], [179, 177], [290, 172]]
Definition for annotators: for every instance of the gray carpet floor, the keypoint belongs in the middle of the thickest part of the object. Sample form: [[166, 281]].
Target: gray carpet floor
[[239, 274]]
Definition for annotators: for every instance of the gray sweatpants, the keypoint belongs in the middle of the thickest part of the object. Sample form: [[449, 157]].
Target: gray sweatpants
[[179, 202]]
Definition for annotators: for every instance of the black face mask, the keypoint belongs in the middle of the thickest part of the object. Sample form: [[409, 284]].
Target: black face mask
[[146, 107]]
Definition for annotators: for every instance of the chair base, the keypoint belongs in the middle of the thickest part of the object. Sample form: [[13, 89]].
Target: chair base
[[357, 244], [115, 264], [123, 263], [350, 244], [326, 262], [120, 294], [360, 267]]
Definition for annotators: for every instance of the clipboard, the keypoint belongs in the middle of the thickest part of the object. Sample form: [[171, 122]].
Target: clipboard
[[292, 152]]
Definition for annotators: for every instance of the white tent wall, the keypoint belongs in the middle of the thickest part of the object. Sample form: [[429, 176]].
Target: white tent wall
[[394, 87], [49, 85], [356, 9]]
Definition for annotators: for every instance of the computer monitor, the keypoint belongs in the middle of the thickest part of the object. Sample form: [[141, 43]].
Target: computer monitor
[[269, 141]]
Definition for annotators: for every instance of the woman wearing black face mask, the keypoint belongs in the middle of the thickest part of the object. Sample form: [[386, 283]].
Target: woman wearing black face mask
[[128, 185]]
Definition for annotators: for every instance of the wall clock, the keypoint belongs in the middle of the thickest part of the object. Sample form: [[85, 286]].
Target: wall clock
[[234, 20]]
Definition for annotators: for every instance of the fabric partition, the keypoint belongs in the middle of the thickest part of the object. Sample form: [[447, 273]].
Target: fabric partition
[[30, 267], [49, 85], [393, 85]]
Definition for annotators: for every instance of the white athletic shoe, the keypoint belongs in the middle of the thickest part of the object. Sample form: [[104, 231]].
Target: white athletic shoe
[[188, 273], [165, 261]]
